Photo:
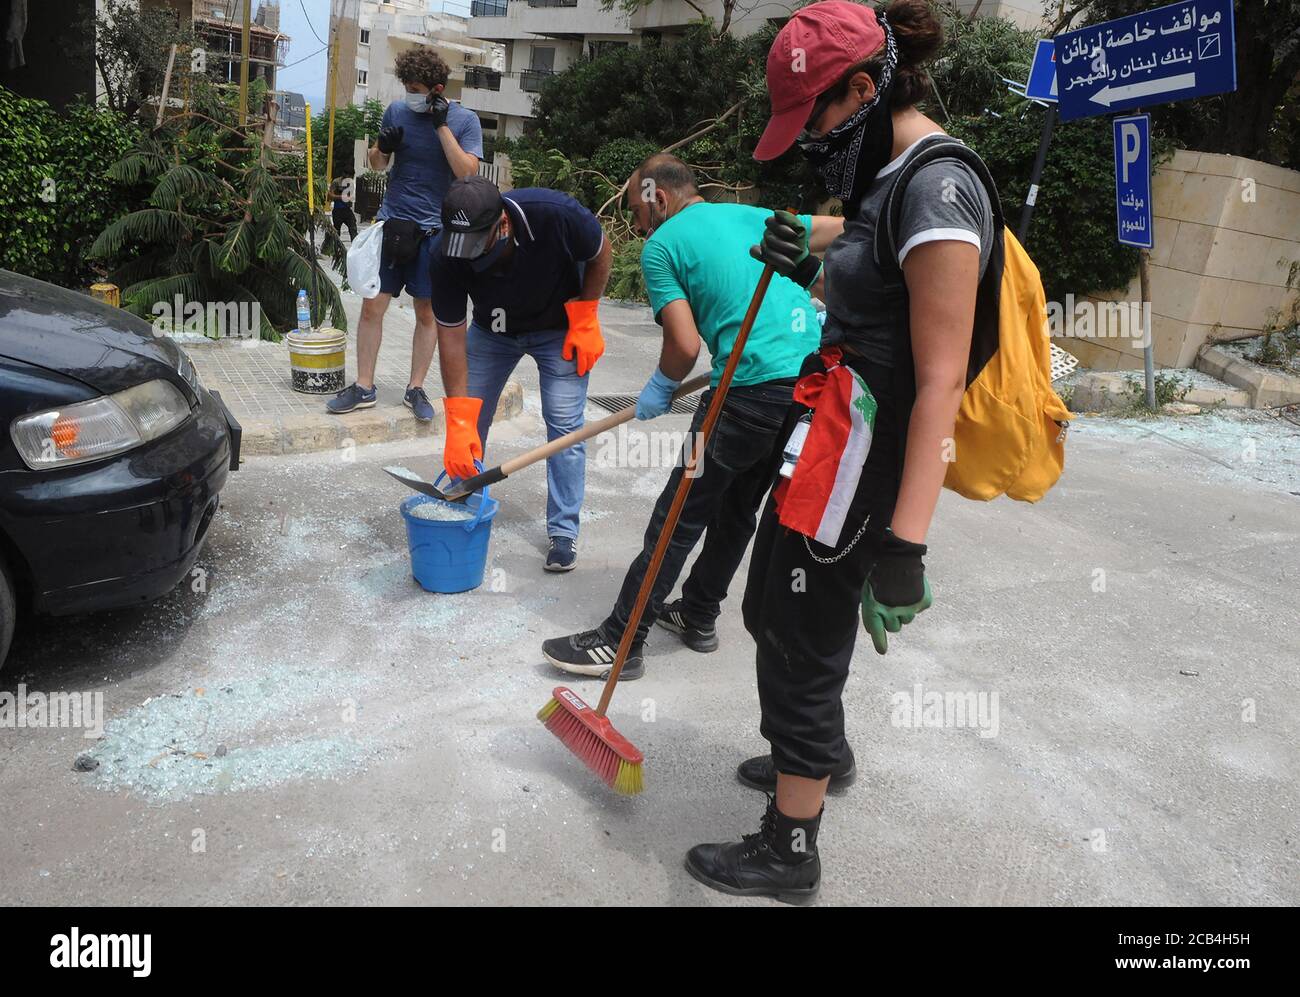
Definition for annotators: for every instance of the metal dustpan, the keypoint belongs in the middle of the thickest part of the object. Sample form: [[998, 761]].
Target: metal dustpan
[[412, 480]]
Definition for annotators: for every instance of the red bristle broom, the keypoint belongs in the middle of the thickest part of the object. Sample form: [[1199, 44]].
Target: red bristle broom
[[588, 733]]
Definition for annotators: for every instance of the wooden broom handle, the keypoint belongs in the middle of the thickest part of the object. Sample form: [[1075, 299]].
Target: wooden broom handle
[[683, 488], [591, 429]]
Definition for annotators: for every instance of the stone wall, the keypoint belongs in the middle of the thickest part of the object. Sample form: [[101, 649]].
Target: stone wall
[[1227, 231]]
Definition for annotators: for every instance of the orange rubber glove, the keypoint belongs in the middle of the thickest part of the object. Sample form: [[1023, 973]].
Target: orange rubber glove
[[584, 339], [463, 444]]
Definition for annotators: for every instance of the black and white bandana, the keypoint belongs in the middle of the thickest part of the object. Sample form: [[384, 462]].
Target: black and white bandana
[[848, 157]]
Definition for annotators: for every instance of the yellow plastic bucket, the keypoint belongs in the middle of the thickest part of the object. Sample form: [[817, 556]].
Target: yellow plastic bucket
[[316, 360]]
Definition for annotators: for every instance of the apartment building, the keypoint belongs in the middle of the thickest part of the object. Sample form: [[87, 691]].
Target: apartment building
[[220, 25], [1030, 14], [542, 37], [373, 33]]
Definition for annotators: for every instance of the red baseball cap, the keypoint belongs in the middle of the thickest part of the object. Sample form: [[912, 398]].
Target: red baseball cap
[[810, 54]]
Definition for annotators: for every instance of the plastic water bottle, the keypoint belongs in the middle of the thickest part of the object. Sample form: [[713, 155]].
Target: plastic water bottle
[[794, 445], [304, 312]]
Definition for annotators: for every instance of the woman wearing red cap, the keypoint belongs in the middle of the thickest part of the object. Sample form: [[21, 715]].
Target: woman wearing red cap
[[844, 531]]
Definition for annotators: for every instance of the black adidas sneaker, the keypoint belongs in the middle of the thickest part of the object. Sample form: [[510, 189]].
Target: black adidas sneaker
[[702, 639], [589, 653]]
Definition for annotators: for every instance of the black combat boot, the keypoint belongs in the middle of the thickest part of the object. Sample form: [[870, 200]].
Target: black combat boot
[[779, 861], [759, 772]]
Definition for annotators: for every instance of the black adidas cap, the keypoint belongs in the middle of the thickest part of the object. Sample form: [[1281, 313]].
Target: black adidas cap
[[469, 213]]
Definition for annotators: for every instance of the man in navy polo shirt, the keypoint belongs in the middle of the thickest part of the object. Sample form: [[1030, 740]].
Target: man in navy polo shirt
[[428, 141], [534, 262]]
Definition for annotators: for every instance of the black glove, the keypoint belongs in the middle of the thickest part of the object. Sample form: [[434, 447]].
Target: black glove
[[785, 248], [896, 589], [438, 107], [390, 138], [897, 577]]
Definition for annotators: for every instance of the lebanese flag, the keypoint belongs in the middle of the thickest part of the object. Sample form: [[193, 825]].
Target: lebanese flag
[[815, 500]]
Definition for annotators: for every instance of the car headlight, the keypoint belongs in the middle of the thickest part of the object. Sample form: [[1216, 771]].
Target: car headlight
[[101, 427]]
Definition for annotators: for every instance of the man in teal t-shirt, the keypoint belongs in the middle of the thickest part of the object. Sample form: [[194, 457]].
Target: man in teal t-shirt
[[700, 277]]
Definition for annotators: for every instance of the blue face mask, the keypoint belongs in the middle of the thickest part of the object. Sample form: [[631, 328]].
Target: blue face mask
[[484, 262], [418, 102]]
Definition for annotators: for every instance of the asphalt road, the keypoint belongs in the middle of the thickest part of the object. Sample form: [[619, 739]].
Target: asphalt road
[[304, 725]]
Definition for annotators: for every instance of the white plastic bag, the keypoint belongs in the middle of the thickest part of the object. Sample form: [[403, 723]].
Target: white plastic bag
[[363, 261]]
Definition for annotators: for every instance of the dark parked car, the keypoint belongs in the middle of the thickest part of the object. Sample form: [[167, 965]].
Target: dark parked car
[[112, 455]]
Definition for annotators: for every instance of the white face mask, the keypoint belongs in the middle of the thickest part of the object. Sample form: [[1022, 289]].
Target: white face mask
[[418, 102]]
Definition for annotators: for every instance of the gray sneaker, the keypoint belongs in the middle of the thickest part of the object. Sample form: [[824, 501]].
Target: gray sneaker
[[352, 398], [418, 402]]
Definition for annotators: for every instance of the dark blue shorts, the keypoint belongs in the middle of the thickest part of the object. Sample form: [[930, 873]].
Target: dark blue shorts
[[414, 276]]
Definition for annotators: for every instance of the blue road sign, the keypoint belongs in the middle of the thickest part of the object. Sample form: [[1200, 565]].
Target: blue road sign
[[1042, 76], [1133, 180], [1171, 53]]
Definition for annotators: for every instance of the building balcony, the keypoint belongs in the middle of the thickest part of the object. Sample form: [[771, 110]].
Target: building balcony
[[499, 20], [491, 92]]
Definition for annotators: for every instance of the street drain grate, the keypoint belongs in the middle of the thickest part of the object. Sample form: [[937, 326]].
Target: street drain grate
[[616, 403]]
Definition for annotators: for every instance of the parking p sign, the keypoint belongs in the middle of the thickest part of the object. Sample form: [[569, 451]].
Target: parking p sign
[[1133, 180]]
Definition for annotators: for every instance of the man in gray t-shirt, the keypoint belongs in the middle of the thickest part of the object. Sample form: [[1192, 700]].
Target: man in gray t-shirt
[[944, 201], [426, 141]]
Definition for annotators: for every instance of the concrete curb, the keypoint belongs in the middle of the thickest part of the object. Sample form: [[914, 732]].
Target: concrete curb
[[314, 432], [1101, 390], [1266, 388]]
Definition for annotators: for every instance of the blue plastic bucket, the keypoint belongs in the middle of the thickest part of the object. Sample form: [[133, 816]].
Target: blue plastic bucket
[[450, 556]]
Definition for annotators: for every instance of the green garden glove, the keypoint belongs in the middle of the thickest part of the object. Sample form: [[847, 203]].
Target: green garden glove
[[785, 249], [896, 589]]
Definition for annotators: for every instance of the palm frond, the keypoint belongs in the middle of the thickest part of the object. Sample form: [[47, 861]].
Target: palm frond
[[236, 250], [148, 225], [139, 299], [273, 236], [262, 192], [141, 266], [180, 182], [231, 291], [137, 165], [275, 293]]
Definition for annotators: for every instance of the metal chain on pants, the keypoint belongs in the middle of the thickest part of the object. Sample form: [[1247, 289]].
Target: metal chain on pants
[[831, 560]]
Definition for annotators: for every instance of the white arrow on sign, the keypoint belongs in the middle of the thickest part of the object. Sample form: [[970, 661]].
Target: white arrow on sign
[[1108, 95]]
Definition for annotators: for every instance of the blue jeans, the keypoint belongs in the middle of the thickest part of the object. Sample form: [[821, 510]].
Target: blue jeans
[[492, 359]]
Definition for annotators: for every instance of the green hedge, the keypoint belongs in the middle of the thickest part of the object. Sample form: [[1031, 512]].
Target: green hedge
[[1072, 231], [66, 155]]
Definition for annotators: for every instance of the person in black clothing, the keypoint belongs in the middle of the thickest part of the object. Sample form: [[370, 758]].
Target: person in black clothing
[[699, 277], [341, 194], [844, 83]]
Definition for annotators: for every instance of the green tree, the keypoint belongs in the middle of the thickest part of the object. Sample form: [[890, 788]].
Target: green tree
[[216, 217], [350, 123], [131, 46], [657, 94]]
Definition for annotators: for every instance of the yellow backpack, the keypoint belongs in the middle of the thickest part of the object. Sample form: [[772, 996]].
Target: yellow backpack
[[1010, 432]]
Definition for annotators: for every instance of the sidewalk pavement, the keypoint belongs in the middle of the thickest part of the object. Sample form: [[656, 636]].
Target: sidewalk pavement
[[253, 379]]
